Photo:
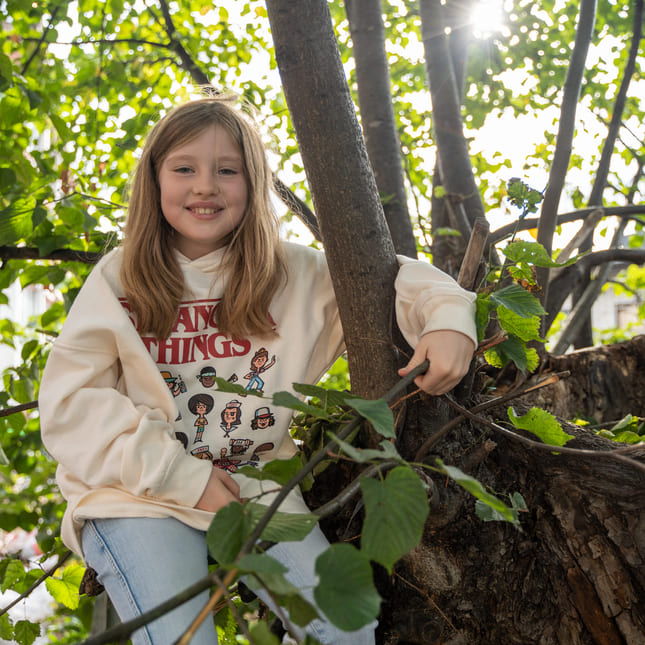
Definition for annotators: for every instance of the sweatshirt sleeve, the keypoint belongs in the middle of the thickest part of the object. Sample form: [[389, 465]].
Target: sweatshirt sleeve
[[106, 430], [427, 299]]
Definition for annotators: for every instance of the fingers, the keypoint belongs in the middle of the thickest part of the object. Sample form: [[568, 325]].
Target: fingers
[[220, 490], [449, 354], [227, 481]]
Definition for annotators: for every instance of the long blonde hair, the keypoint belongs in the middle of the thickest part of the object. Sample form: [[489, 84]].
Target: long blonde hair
[[254, 259]]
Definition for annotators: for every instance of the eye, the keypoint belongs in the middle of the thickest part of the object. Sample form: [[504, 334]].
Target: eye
[[228, 171], [183, 170]]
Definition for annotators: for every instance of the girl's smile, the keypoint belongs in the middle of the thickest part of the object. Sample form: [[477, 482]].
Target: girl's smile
[[204, 193]]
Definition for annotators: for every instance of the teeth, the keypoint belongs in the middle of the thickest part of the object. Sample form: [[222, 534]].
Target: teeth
[[204, 211]]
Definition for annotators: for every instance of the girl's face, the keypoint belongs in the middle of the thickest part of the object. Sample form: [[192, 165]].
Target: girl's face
[[203, 191]]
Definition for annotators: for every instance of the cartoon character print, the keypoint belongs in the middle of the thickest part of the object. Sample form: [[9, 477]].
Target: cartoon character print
[[182, 438], [240, 446], [260, 363], [175, 384], [230, 465], [231, 417], [207, 377], [263, 418], [257, 453], [200, 404], [202, 452]]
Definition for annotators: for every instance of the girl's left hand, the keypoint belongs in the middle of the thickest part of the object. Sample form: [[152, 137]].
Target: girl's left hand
[[449, 353]]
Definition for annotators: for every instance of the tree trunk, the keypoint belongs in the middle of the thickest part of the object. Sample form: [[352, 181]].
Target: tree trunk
[[585, 336], [574, 575], [343, 188], [462, 194], [605, 383], [377, 118]]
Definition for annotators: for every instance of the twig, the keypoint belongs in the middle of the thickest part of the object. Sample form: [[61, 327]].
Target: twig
[[7, 412], [617, 454], [222, 585], [431, 441], [50, 572]]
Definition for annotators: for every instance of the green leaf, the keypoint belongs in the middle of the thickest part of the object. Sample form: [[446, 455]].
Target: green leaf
[[288, 400], [362, 455], [225, 386], [483, 308], [475, 488], [524, 328], [277, 470], [261, 634], [260, 563], [378, 413], [532, 252], [6, 629], [65, 589], [14, 573], [518, 300], [395, 513], [233, 524], [25, 632], [346, 592], [328, 398], [227, 532], [542, 424]]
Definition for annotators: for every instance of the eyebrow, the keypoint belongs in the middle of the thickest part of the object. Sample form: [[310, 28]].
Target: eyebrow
[[220, 160]]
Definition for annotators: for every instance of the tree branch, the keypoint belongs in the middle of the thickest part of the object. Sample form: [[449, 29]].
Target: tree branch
[[569, 277], [532, 222], [566, 129], [50, 572]]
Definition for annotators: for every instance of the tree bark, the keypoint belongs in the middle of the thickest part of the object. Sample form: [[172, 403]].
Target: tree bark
[[462, 194], [585, 336], [343, 188], [377, 118], [566, 129]]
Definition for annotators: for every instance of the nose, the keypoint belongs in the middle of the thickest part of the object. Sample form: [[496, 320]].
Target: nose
[[206, 184]]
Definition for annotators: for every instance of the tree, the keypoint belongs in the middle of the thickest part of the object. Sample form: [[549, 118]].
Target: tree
[[580, 541]]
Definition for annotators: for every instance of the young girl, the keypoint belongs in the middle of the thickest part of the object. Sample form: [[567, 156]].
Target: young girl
[[202, 280]]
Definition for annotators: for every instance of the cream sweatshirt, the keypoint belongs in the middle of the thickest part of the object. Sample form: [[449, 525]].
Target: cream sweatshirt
[[136, 423]]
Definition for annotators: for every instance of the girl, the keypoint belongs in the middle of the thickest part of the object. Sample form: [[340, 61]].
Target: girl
[[201, 280]]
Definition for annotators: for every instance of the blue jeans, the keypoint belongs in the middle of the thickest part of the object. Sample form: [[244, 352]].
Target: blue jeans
[[143, 561]]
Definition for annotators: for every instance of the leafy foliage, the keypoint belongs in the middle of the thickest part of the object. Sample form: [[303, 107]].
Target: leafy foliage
[[80, 83]]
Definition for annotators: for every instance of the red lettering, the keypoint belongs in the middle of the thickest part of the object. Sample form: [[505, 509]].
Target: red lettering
[[203, 315], [241, 346], [170, 346], [199, 343], [184, 319]]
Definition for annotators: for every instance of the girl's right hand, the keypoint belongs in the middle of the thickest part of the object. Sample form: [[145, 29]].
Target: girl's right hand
[[221, 489]]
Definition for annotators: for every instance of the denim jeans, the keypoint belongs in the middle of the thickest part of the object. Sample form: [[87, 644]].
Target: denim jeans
[[143, 561]]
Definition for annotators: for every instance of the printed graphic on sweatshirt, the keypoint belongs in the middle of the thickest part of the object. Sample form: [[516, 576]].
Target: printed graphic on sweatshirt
[[230, 465], [260, 363], [231, 417], [195, 336], [202, 452], [175, 383], [207, 376], [262, 418], [200, 404]]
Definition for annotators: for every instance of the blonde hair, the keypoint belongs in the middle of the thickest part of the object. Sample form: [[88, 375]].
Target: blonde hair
[[254, 260]]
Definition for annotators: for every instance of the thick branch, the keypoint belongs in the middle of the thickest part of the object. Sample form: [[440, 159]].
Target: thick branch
[[343, 187], [565, 218], [566, 129], [569, 277], [377, 118], [455, 166]]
